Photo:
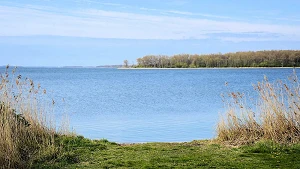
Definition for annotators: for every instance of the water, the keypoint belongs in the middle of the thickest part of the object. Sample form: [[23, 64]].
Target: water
[[145, 105]]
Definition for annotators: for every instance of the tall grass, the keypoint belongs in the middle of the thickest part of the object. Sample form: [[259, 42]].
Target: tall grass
[[26, 127], [276, 116]]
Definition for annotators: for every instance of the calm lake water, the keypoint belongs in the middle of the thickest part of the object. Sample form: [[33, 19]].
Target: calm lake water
[[145, 105]]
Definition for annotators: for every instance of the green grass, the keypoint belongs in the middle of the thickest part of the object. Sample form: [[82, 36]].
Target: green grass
[[79, 152]]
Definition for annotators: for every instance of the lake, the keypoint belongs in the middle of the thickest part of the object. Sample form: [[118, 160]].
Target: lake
[[145, 105]]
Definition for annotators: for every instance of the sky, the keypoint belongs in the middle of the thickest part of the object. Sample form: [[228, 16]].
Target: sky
[[106, 32]]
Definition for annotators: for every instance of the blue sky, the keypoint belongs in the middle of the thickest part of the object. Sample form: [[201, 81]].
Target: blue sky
[[101, 32]]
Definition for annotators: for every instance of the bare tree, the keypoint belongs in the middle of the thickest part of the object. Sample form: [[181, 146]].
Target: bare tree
[[125, 64]]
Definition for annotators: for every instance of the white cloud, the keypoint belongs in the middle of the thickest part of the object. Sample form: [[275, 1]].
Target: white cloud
[[98, 2], [244, 39], [197, 14], [17, 21], [148, 9], [289, 19]]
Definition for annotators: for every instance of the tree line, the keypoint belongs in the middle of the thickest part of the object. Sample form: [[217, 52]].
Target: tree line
[[271, 58]]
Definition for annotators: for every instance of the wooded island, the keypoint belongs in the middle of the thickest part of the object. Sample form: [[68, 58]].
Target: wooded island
[[271, 58]]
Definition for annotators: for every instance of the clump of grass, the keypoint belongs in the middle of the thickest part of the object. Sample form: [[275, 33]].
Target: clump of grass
[[276, 116], [27, 130]]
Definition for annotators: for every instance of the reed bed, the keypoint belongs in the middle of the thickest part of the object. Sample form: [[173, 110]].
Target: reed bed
[[27, 130], [275, 116]]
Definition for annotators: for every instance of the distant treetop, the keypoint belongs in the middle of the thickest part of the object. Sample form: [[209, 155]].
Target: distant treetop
[[271, 58]]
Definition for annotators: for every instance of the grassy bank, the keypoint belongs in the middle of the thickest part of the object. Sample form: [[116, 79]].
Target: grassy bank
[[84, 153]]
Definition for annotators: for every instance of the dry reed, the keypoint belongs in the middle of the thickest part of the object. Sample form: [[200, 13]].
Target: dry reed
[[26, 129], [276, 116]]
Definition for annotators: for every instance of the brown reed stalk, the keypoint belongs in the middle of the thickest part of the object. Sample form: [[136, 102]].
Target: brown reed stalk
[[276, 116], [26, 129]]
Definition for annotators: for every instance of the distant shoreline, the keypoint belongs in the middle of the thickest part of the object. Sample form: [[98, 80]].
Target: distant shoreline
[[123, 68]]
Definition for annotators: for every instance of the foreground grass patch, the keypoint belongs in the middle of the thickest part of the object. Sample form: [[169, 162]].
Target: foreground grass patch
[[84, 153]]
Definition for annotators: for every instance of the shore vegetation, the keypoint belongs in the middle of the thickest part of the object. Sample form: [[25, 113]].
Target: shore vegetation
[[271, 58], [274, 116], [27, 128]]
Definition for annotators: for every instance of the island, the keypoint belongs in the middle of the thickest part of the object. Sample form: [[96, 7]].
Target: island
[[265, 58]]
